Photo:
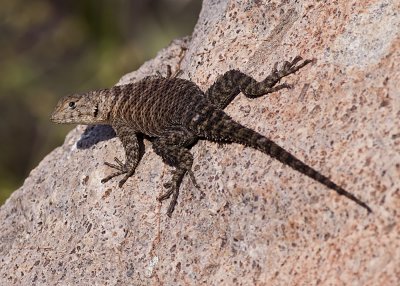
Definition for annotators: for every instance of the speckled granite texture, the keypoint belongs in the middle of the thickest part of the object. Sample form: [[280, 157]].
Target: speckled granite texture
[[253, 221]]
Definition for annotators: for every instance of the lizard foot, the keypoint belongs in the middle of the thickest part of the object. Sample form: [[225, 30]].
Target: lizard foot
[[121, 169], [290, 67], [119, 166], [172, 182], [173, 189], [193, 179]]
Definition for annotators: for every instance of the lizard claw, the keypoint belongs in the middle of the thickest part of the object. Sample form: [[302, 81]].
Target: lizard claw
[[275, 69], [193, 179], [166, 195], [290, 67], [293, 65], [124, 179], [106, 179], [167, 185], [296, 60], [170, 184], [174, 191]]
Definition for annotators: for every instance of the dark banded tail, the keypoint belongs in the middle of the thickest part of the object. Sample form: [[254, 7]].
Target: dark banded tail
[[271, 148], [225, 129]]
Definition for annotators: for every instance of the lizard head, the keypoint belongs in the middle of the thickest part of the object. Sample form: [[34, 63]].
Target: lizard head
[[77, 109]]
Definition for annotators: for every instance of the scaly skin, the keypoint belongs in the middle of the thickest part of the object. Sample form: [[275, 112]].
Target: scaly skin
[[175, 114]]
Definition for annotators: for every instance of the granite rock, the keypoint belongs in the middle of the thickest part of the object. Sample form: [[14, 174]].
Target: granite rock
[[253, 221]]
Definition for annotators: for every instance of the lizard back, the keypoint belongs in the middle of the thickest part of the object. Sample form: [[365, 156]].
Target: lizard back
[[154, 104]]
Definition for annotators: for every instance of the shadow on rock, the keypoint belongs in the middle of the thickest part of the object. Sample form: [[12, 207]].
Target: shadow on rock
[[94, 134]]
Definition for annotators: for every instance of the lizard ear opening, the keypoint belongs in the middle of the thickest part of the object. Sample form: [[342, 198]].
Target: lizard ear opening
[[96, 110]]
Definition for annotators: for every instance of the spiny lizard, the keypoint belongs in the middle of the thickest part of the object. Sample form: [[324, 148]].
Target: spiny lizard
[[174, 113]]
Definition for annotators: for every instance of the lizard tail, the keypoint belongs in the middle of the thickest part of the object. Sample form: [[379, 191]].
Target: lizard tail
[[220, 127]]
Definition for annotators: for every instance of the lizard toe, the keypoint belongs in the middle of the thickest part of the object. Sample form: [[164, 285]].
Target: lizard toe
[[166, 195], [125, 178]]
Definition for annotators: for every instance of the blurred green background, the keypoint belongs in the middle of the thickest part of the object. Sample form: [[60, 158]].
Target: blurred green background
[[50, 48]]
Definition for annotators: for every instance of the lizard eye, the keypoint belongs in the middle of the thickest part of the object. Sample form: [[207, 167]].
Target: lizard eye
[[72, 105]]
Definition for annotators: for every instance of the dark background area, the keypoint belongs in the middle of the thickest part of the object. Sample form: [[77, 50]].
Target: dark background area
[[50, 48]]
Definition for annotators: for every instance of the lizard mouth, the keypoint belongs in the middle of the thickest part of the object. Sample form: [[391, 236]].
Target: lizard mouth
[[54, 118]]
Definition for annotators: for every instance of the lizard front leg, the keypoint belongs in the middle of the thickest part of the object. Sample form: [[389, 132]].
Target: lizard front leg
[[133, 154], [230, 84]]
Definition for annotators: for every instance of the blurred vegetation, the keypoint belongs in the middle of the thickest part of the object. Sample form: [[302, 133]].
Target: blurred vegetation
[[50, 48]]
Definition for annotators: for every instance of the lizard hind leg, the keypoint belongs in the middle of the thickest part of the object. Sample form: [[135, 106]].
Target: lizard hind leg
[[230, 84], [174, 153]]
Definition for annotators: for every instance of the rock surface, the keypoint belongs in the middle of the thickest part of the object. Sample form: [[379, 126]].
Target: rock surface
[[253, 221]]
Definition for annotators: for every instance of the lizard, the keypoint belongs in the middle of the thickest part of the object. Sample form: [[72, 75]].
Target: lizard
[[174, 113]]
